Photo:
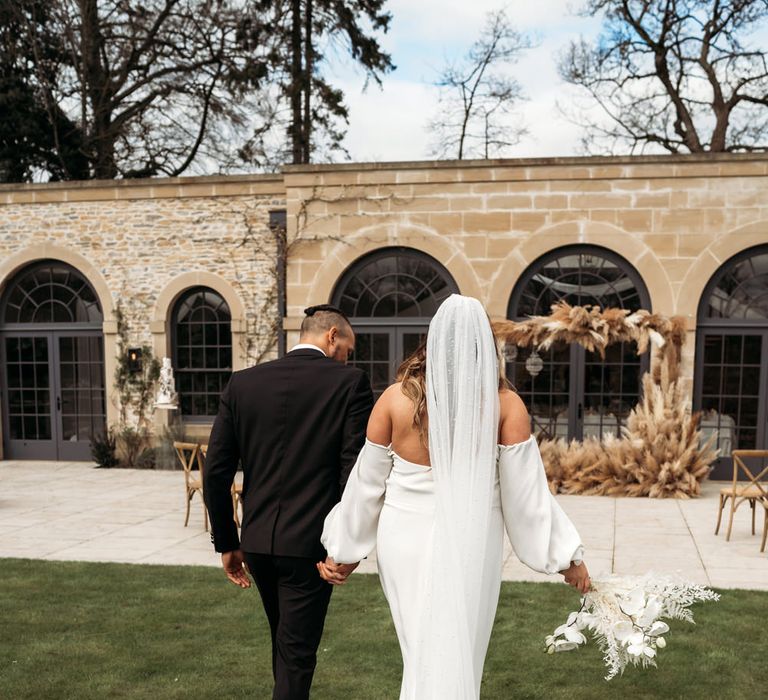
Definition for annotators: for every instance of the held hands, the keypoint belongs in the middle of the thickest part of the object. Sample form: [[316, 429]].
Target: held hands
[[333, 573], [235, 568], [576, 575]]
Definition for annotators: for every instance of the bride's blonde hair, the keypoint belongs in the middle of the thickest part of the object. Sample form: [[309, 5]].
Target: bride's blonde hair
[[412, 374]]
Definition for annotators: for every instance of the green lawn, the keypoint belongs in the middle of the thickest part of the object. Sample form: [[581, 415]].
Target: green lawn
[[81, 630]]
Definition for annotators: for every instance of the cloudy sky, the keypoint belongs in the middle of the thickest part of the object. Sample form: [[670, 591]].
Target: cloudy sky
[[389, 123]]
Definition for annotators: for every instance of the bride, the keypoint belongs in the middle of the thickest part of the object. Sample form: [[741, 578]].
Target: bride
[[448, 463]]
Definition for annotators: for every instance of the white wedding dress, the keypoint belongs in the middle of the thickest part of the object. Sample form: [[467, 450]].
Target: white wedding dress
[[438, 531]]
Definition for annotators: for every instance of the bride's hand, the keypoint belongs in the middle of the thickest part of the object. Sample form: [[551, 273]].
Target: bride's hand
[[576, 575], [334, 573]]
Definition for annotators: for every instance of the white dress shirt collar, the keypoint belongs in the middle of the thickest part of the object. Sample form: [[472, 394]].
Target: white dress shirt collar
[[307, 346]]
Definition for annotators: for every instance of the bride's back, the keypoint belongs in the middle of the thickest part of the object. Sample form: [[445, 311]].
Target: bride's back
[[392, 422]]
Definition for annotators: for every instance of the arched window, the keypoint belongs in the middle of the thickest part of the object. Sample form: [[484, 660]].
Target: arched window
[[390, 296], [51, 292], [739, 291], [580, 275], [202, 350], [731, 372], [52, 354], [578, 393]]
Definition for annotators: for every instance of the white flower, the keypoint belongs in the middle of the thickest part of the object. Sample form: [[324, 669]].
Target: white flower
[[622, 613], [573, 635], [637, 646], [651, 611], [622, 630], [640, 649], [633, 602]]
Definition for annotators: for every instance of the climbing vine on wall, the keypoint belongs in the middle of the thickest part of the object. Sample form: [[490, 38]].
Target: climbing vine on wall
[[134, 389]]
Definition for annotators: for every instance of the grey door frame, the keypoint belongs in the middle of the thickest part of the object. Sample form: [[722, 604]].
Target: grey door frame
[[56, 448], [396, 332], [723, 466], [32, 449]]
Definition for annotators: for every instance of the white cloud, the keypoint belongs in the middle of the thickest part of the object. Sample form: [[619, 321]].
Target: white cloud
[[390, 123]]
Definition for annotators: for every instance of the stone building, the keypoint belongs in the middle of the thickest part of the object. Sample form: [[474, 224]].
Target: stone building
[[190, 266]]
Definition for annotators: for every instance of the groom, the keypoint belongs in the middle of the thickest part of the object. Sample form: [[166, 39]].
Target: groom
[[296, 424]]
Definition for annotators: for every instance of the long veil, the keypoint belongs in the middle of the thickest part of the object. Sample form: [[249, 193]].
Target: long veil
[[463, 414]]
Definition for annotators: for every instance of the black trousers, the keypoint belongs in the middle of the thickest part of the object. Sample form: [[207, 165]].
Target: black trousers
[[296, 600]]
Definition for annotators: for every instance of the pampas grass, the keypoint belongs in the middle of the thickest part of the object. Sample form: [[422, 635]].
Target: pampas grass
[[596, 328], [659, 453]]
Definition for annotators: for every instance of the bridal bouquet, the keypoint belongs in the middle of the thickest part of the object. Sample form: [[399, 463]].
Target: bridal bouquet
[[624, 613]]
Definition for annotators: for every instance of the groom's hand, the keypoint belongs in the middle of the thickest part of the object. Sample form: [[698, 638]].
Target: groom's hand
[[235, 569], [334, 573]]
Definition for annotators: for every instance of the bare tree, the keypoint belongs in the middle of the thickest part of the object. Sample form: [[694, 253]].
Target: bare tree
[[139, 89], [672, 75], [477, 95]]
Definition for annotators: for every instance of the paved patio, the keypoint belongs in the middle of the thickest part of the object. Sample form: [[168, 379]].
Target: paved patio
[[72, 511]]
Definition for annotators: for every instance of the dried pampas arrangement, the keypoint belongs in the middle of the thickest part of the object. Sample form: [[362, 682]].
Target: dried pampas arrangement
[[659, 453]]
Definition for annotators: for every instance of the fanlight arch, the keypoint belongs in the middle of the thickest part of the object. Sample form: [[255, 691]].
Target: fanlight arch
[[50, 292], [738, 291], [393, 282], [580, 275]]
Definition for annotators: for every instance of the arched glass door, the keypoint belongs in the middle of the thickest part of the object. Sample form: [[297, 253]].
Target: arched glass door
[[577, 393], [390, 296], [52, 355], [731, 376]]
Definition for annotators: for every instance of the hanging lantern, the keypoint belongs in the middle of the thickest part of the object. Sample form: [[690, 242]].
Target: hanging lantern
[[534, 364], [134, 360]]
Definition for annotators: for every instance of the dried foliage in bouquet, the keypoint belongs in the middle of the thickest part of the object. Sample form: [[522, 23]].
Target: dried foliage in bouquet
[[624, 615]]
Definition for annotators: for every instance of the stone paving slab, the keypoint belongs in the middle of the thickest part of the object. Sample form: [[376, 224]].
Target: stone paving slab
[[73, 511]]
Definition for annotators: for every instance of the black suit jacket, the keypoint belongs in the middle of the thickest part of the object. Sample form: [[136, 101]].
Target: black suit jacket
[[297, 425]]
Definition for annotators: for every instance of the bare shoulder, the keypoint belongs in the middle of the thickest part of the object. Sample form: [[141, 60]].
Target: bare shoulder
[[514, 421], [510, 403], [380, 422]]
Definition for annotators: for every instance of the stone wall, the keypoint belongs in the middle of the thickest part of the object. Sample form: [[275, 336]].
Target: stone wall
[[675, 219], [143, 243]]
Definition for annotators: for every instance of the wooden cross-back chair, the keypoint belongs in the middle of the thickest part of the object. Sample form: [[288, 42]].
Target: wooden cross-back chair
[[189, 456], [237, 488], [753, 491]]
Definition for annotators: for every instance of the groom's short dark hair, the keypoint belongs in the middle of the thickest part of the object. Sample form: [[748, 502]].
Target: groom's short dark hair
[[323, 317]]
